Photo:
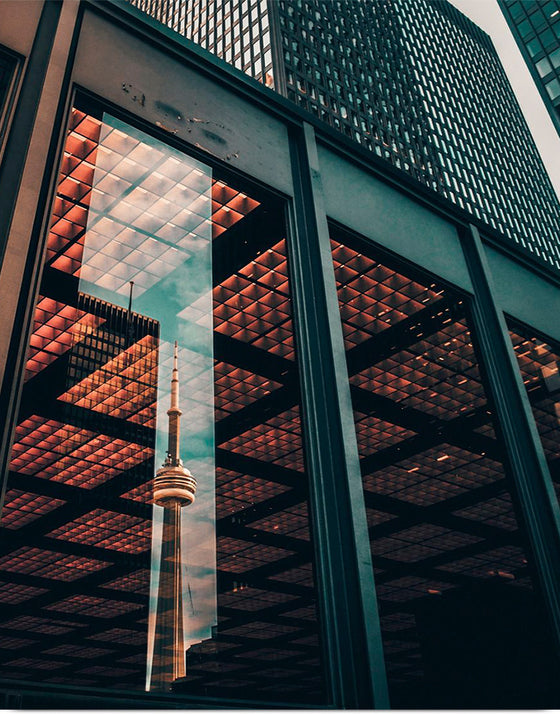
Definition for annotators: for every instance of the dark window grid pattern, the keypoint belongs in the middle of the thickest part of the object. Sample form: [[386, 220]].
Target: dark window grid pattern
[[170, 13], [334, 70], [538, 28], [532, 18], [469, 165], [509, 175], [236, 32]]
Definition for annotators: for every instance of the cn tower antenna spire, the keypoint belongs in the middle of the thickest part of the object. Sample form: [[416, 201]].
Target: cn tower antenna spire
[[174, 414]]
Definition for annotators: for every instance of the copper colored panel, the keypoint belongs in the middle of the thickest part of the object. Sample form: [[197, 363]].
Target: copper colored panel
[[107, 529], [21, 508], [278, 439], [49, 565]]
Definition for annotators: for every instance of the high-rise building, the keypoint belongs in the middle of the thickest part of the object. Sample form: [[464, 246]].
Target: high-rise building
[[238, 31], [370, 395], [536, 28], [414, 81]]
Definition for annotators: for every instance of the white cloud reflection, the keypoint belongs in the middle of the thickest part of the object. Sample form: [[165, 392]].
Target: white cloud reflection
[[150, 222]]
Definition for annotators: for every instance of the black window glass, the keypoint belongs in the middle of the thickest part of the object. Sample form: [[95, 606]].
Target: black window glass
[[7, 67], [453, 569]]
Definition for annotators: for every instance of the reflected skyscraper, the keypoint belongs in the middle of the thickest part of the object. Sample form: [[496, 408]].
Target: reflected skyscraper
[[174, 488]]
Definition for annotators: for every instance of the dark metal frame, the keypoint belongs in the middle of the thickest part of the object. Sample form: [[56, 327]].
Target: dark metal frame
[[8, 106], [354, 655]]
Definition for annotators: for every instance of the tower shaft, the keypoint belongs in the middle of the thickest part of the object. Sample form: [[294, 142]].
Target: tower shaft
[[174, 414], [169, 645]]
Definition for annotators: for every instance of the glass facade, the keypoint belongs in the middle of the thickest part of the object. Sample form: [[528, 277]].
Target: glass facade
[[536, 28], [422, 86], [539, 363], [101, 564], [171, 13], [263, 444], [347, 65], [414, 81], [237, 31], [454, 581]]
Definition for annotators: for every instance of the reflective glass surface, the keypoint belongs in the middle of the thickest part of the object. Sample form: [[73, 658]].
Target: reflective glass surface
[[156, 529], [404, 79], [453, 572], [539, 362]]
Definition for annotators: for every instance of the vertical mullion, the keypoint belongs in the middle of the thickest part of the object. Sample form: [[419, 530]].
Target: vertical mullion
[[351, 630], [531, 477], [22, 125]]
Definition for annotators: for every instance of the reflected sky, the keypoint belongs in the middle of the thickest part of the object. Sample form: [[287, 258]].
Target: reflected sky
[[150, 224]]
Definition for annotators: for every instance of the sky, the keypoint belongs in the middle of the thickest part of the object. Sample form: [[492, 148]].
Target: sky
[[487, 15]]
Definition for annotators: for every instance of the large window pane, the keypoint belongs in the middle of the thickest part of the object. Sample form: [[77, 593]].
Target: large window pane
[[459, 613], [539, 362], [109, 576]]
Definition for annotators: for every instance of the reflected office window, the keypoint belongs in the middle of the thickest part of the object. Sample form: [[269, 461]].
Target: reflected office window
[[461, 622], [156, 527], [539, 362]]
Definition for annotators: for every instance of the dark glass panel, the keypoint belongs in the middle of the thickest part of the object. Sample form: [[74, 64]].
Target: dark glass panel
[[539, 362], [459, 613], [7, 67]]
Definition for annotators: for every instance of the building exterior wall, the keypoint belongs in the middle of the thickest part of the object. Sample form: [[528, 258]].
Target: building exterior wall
[[237, 32], [187, 107], [380, 455], [536, 29], [394, 77]]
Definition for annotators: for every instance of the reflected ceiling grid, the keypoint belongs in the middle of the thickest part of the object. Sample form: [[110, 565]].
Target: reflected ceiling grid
[[112, 189], [539, 363], [426, 383], [252, 307]]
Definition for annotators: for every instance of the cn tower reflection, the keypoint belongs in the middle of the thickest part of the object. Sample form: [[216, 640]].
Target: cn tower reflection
[[174, 488]]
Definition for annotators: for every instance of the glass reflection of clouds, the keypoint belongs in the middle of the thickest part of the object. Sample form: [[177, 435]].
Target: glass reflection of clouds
[[150, 223]]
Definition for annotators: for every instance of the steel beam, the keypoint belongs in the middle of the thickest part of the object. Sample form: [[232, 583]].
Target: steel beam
[[346, 590]]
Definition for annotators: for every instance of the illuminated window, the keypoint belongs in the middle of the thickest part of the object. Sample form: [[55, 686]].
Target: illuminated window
[[452, 568], [147, 246]]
